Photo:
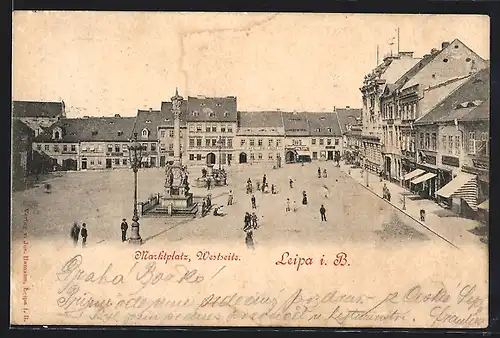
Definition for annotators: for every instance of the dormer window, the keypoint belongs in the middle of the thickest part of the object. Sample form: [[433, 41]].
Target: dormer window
[[202, 104], [148, 121], [57, 134], [145, 132], [226, 113], [329, 130], [111, 122], [195, 113], [94, 132], [318, 129], [120, 133], [218, 104], [211, 114]]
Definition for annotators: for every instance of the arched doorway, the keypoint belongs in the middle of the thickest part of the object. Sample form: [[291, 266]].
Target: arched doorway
[[243, 158], [210, 158], [290, 156], [69, 164]]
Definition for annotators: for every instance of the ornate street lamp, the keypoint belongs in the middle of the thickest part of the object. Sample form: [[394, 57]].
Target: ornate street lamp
[[135, 152], [219, 144]]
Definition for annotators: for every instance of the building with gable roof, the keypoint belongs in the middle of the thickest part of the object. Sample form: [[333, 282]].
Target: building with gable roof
[[212, 123], [350, 127], [37, 114], [326, 136], [259, 137], [86, 143], [414, 94]]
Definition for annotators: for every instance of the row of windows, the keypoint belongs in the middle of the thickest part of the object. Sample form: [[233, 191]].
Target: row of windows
[[116, 161], [223, 158], [270, 156], [260, 142], [210, 142], [405, 111], [56, 147], [322, 141], [211, 128]]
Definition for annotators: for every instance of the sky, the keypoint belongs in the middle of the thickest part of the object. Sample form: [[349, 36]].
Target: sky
[[106, 63]]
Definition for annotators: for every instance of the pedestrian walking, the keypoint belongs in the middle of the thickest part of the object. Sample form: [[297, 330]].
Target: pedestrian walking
[[254, 220], [304, 198], [266, 189], [84, 234], [75, 232], [324, 173], [247, 221], [388, 195], [273, 189], [294, 206], [322, 212], [384, 191], [209, 183], [287, 208], [258, 185], [230, 198], [326, 191], [124, 227], [254, 204], [291, 182], [264, 182], [249, 240], [319, 172]]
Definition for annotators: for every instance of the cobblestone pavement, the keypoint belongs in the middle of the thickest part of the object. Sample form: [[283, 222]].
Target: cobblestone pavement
[[103, 198]]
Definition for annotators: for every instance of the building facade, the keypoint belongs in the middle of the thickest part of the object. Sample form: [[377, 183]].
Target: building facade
[[22, 154], [260, 137]]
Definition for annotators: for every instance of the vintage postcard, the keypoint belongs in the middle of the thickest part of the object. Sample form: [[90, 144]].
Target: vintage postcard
[[250, 169]]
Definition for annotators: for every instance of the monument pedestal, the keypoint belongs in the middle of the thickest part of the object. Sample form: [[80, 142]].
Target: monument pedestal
[[177, 201]]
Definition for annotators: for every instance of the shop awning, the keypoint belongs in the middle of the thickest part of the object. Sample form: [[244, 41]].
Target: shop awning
[[303, 153], [463, 186], [413, 174], [485, 205], [423, 178]]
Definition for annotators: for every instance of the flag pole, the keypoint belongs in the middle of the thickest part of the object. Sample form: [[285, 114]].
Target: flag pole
[[398, 40]]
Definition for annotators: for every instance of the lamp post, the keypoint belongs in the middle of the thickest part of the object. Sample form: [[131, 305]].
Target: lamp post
[[366, 169], [219, 144], [135, 153]]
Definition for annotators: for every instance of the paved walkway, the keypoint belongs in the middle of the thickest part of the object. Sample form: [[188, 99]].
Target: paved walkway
[[441, 221]]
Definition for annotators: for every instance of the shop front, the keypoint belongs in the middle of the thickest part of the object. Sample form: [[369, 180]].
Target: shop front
[[297, 154]]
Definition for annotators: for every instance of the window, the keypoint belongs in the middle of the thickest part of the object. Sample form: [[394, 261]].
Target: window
[[198, 141], [214, 142], [191, 157], [191, 142], [329, 130], [198, 128], [194, 113], [191, 127], [117, 148], [270, 142], [318, 129], [38, 147], [222, 129], [65, 147], [56, 148], [457, 145], [110, 148], [117, 161], [171, 133], [242, 142], [270, 156], [73, 147], [259, 142], [259, 155], [99, 162], [444, 144], [321, 141], [252, 156], [472, 142], [313, 141], [91, 162], [207, 142], [162, 133], [153, 146], [315, 155], [124, 161], [450, 144], [421, 143], [329, 141], [170, 147], [427, 141], [145, 146], [433, 141], [207, 129], [145, 133], [214, 129], [46, 147], [229, 129], [336, 141], [252, 142], [229, 142], [278, 143], [198, 157]]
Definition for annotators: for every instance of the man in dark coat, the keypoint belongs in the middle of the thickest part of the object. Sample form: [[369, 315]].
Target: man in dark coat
[[254, 203], [75, 232], [264, 181], [248, 219], [124, 227], [322, 211], [84, 235]]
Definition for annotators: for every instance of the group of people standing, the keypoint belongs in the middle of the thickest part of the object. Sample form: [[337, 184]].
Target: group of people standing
[[324, 173], [76, 232]]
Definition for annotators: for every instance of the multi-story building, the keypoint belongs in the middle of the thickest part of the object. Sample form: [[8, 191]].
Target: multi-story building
[[86, 143], [38, 115], [22, 155], [382, 78], [351, 127], [260, 137], [325, 136], [415, 94], [211, 129], [165, 133], [297, 143], [452, 145]]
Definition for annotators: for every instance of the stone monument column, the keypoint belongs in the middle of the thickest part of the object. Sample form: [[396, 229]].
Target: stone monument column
[[176, 111]]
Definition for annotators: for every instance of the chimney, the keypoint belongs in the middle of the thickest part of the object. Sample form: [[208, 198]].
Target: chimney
[[444, 44], [409, 54], [347, 107], [434, 51], [150, 109], [117, 115], [426, 56]]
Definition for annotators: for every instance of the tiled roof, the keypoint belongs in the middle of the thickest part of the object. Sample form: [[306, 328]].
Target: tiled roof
[[324, 124], [296, 124], [261, 119], [347, 116], [90, 129], [37, 109], [20, 129], [481, 112], [477, 88], [166, 111], [217, 109]]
